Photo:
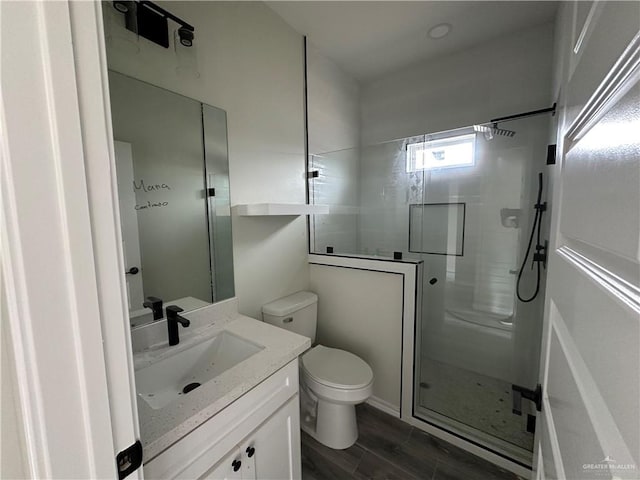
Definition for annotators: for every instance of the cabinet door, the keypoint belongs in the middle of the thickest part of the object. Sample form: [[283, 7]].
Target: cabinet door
[[272, 451], [229, 468]]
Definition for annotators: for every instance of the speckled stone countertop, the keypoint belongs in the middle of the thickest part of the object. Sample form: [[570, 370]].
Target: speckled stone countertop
[[163, 427]]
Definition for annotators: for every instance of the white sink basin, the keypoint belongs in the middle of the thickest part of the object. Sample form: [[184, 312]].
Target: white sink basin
[[164, 381]]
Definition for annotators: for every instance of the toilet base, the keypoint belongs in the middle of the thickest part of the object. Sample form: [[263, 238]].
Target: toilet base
[[336, 425]]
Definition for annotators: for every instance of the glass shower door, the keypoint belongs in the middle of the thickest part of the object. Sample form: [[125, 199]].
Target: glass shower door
[[461, 202], [474, 339]]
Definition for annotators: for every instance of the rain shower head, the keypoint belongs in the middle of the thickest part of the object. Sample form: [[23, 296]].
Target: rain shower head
[[492, 130]]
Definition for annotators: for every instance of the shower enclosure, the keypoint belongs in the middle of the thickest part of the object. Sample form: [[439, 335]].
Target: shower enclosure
[[462, 202]]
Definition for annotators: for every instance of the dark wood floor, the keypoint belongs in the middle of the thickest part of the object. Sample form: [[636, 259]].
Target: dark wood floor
[[388, 448]]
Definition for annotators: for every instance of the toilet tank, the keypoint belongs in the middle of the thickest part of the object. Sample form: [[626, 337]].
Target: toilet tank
[[297, 313]]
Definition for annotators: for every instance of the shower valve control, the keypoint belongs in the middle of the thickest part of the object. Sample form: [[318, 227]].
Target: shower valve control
[[540, 254]]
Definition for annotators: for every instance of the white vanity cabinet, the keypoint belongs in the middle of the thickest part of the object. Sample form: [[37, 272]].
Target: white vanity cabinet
[[272, 451], [255, 437], [229, 468]]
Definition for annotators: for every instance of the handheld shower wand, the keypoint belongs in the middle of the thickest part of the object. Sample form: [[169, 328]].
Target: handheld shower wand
[[540, 255]]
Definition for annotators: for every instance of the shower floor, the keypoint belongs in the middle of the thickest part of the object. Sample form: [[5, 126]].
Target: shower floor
[[481, 402]]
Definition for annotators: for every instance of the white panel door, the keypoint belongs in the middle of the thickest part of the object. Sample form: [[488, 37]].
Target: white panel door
[[61, 264], [590, 422], [273, 450], [129, 224], [229, 468]]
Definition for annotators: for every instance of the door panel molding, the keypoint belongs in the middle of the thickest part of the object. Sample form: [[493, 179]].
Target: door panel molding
[[90, 60], [602, 420], [622, 290], [549, 429], [620, 79], [579, 39], [599, 169]]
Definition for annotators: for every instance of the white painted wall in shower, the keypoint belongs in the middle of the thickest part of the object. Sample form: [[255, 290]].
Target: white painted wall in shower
[[333, 104], [251, 65], [334, 126], [361, 311], [507, 75]]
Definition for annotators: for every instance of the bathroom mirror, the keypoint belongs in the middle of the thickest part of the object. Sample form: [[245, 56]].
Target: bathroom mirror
[[173, 186]]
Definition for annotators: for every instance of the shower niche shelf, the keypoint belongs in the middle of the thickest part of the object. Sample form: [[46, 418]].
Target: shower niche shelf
[[271, 209]]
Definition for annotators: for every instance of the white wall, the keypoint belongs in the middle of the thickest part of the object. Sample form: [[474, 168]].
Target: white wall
[[507, 75], [361, 311], [251, 65], [333, 105]]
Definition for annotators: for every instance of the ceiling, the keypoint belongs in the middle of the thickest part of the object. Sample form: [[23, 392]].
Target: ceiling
[[369, 39]]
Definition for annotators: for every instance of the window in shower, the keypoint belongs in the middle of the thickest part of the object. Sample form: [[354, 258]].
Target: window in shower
[[451, 152]]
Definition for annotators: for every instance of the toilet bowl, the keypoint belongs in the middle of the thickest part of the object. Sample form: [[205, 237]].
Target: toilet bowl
[[332, 381], [338, 380]]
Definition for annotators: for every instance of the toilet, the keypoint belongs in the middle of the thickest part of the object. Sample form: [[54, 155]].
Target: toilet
[[332, 381]]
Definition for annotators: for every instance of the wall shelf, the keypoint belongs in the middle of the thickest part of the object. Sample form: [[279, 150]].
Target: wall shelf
[[266, 209]]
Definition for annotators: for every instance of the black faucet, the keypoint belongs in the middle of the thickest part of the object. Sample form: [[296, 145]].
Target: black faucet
[[155, 304], [172, 323]]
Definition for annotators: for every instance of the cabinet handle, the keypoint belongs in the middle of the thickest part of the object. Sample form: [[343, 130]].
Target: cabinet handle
[[236, 464], [250, 451]]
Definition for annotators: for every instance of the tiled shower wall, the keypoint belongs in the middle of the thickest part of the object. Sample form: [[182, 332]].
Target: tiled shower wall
[[385, 193], [337, 185]]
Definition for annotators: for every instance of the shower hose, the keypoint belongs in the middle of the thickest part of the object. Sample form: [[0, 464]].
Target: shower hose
[[538, 259]]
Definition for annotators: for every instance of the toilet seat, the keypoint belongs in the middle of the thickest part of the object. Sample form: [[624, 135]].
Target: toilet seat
[[336, 368]]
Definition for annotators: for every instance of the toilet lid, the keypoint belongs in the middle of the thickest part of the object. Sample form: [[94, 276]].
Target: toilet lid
[[336, 368]]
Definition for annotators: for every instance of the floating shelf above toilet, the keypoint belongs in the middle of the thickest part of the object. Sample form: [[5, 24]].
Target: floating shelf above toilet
[[266, 209]]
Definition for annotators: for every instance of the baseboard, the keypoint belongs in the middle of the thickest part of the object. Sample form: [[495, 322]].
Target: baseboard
[[384, 406]]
